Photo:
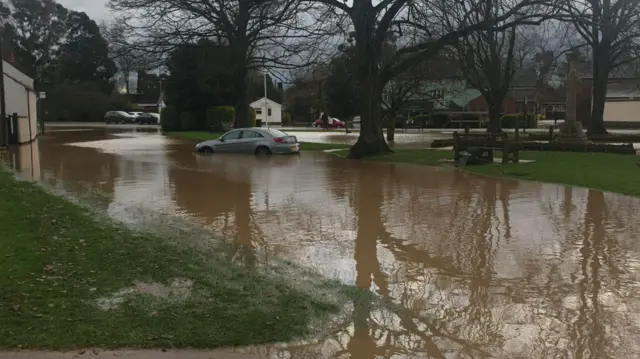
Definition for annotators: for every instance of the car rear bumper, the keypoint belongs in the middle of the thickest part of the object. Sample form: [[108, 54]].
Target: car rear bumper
[[286, 149]]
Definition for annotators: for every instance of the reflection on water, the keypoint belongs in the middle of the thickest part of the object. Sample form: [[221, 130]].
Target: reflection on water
[[467, 267]]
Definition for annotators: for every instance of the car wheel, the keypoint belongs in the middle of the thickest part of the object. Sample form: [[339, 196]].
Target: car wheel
[[207, 150], [263, 151]]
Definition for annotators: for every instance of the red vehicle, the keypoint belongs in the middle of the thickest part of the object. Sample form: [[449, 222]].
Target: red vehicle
[[333, 123]]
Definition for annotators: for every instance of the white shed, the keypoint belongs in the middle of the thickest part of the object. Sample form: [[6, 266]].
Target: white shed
[[21, 98], [268, 109]]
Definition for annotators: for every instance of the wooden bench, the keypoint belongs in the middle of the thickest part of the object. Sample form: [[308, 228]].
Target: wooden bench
[[485, 144]]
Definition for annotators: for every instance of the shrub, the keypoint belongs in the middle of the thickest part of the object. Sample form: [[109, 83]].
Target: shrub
[[509, 120], [82, 101], [252, 117], [169, 119], [188, 122], [421, 120], [439, 120], [219, 117], [531, 121], [286, 119]]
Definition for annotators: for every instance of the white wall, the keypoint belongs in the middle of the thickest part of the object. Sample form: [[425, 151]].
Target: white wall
[[276, 111], [20, 98], [622, 111]]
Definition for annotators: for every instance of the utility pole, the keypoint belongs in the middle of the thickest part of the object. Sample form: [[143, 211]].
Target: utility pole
[[266, 113], [4, 136]]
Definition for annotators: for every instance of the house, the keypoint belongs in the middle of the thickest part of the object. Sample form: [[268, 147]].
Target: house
[[521, 95], [21, 99], [622, 101], [267, 111]]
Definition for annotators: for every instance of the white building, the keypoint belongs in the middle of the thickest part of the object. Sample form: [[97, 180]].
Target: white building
[[268, 109], [21, 98]]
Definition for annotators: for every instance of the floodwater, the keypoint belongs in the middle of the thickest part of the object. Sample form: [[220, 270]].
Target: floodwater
[[470, 267]]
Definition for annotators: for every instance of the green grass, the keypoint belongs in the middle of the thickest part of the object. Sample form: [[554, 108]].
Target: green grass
[[203, 136], [58, 259], [608, 172]]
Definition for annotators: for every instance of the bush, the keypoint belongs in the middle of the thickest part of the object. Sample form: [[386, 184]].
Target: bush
[[169, 119], [252, 117], [436, 120], [420, 120], [286, 119], [189, 122], [82, 101], [532, 121], [509, 120], [218, 118]]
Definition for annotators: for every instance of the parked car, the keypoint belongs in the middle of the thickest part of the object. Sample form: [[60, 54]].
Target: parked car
[[155, 116], [118, 117], [145, 118], [333, 123], [256, 140]]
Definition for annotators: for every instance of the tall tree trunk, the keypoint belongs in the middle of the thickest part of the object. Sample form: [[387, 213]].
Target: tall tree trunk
[[391, 129], [127, 80], [600, 80], [242, 104], [495, 115], [371, 140]]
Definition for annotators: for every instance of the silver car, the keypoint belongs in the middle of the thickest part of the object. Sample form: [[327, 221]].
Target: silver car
[[256, 140]]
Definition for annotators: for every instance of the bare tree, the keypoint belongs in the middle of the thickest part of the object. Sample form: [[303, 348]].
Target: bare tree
[[425, 27], [259, 33], [610, 29], [488, 64]]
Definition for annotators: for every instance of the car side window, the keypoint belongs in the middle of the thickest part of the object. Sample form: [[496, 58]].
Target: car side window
[[234, 135], [251, 134]]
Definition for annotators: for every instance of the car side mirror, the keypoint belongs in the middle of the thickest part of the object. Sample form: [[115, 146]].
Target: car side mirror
[[221, 139]]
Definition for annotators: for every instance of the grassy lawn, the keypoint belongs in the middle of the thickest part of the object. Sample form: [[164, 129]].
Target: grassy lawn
[[608, 172], [60, 264], [203, 136]]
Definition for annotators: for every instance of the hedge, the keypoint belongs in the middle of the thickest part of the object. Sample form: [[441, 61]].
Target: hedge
[[189, 122], [510, 121], [219, 116], [252, 117], [169, 119], [286, 119]]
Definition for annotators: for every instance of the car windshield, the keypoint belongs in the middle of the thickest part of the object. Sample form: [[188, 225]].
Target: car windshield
[[277, 133]]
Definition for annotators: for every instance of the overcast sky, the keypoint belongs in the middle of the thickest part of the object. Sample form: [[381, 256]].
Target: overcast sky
[[96, 9]]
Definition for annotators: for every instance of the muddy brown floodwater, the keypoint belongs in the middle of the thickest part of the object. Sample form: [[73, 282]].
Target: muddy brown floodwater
[[471, 267]]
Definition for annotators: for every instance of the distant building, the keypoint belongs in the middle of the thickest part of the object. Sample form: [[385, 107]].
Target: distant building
[[522, 93], [622, 102], [267, 111]]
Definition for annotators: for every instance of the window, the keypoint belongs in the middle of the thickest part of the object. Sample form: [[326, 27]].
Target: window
[[251, 134], [276, 133], [258, 111], [233, 135], [436, 94], [268, 112]]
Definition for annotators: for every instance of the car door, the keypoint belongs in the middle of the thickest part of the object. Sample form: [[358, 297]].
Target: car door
[[229, 142], [248, 141]]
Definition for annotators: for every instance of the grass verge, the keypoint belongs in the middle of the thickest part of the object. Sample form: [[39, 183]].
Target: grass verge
[[204, 136], [607, 172], [60, 261]]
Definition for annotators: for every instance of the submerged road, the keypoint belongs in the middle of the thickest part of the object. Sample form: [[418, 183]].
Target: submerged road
[[471, 266]]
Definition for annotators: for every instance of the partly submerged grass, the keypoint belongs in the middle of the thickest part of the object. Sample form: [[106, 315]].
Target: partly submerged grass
[[204, 136], [59, 260], [608, 172]]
